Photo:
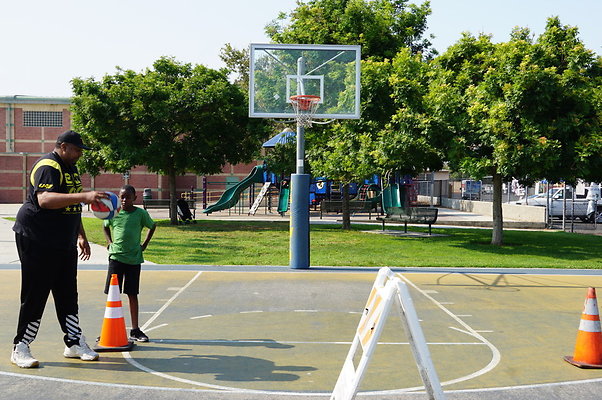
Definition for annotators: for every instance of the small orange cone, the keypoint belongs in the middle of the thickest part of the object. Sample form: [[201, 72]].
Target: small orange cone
[[588, 349], [113, 336]]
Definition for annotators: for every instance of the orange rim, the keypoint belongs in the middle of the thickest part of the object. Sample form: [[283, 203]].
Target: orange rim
[[304, 102]]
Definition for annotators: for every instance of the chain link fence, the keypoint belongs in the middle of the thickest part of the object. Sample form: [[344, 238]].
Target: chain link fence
[[562, 202]]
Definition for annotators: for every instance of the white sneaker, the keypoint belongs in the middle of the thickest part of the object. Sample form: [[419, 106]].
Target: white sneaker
[[21, 356], [81, 351]]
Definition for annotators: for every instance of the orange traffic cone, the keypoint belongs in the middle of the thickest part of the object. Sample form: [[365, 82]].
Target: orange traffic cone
[[588, 349], [113, 336]]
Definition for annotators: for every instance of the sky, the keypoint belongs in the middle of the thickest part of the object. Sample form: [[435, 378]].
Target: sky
[[45, 44]]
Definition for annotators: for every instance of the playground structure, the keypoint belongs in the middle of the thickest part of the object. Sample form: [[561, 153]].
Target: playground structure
[[231, 196], [261, 189]]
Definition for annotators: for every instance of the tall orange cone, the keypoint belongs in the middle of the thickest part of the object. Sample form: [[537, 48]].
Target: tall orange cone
[[113, 336], [588, 349]]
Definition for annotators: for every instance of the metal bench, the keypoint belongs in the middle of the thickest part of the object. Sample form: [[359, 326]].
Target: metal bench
[[412, 215], [354, 206]]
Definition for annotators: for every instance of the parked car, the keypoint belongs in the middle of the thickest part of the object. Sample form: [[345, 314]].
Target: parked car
[[471, 190], [556, 204]]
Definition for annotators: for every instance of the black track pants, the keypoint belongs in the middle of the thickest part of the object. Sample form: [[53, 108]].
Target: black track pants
[[44, 270]]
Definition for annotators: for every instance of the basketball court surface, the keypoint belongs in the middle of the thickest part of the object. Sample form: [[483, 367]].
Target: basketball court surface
[[277, 333]]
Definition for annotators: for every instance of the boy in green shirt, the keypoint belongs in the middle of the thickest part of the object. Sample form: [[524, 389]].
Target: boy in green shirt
[[125, 251]]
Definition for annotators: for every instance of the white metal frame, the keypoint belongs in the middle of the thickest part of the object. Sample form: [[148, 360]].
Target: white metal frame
[[254, 47], [386, 288], [302, 78]]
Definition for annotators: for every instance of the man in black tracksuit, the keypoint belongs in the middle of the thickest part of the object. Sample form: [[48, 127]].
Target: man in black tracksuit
[[48, 231]]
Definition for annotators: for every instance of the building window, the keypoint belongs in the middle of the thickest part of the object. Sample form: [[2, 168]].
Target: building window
[[43, 118]]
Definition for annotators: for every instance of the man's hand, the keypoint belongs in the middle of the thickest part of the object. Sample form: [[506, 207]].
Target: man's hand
[[94, 196], [84, 249]]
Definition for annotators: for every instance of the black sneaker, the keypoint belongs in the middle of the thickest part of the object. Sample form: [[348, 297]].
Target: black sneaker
[[138, 335]]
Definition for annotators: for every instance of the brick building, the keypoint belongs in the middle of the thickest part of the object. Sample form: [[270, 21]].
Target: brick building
[[29, 127]]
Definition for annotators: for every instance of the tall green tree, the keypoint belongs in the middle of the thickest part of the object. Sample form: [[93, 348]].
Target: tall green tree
[[381, 27], [345, 150], [344, 156], [237, 62], [282, 158], [173, 118], [589, 148], [516, 109], [411, 141]]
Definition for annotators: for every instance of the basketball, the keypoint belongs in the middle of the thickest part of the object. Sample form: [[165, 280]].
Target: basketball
[[106, 208]]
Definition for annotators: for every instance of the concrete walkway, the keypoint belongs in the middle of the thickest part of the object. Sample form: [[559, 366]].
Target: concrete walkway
[[8, 250]]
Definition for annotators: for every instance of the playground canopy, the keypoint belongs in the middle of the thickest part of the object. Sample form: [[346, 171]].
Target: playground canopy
[[287, 135]]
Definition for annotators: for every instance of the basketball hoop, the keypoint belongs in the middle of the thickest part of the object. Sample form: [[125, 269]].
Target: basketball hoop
[[305, 107]]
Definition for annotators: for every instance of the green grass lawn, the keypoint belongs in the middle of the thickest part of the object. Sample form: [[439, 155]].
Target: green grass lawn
[[267, 243]]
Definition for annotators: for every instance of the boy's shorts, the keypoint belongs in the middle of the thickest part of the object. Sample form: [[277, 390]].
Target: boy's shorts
[[129, 271]]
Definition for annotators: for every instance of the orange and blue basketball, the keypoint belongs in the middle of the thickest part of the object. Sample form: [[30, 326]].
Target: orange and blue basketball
[[106, 208]]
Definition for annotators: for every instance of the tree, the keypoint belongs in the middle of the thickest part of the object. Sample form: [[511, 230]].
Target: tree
[[411, 141], [344, 156], [516, 109], [344, 150], [381, 27], [281, 159], [237, 62], [394, 139], [173, 118], [589, 148]]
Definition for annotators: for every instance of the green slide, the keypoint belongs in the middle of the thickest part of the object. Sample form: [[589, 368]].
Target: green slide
[[283, 200], [231, 195], [392, 198]]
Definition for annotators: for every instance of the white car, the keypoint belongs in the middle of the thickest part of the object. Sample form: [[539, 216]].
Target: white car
[[557, 204]]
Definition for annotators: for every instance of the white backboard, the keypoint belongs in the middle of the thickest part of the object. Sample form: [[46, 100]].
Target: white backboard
[[279, 71]]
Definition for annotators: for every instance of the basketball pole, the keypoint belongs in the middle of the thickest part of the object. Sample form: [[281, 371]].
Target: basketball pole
[[299, 224]]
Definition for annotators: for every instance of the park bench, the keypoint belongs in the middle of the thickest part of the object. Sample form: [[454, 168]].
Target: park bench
[[163, 204], [412, 215], [354, 206]]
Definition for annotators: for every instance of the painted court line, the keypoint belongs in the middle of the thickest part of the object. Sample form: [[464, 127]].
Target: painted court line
[[155, 327], [496, 356], [170, 389], [169, 301], [202, 316], [225, 341], [469, 331], [141, 367]]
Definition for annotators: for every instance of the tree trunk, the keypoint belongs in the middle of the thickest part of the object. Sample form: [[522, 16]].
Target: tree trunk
[[345, 207], [497, 237], [172, 199]]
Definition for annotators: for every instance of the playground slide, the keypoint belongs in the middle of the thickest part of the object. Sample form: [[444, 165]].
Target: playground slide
[[391, 198], [283, 200], [230, 197]]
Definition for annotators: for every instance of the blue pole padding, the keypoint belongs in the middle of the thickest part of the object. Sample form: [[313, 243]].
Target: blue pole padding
[[299, 225]]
